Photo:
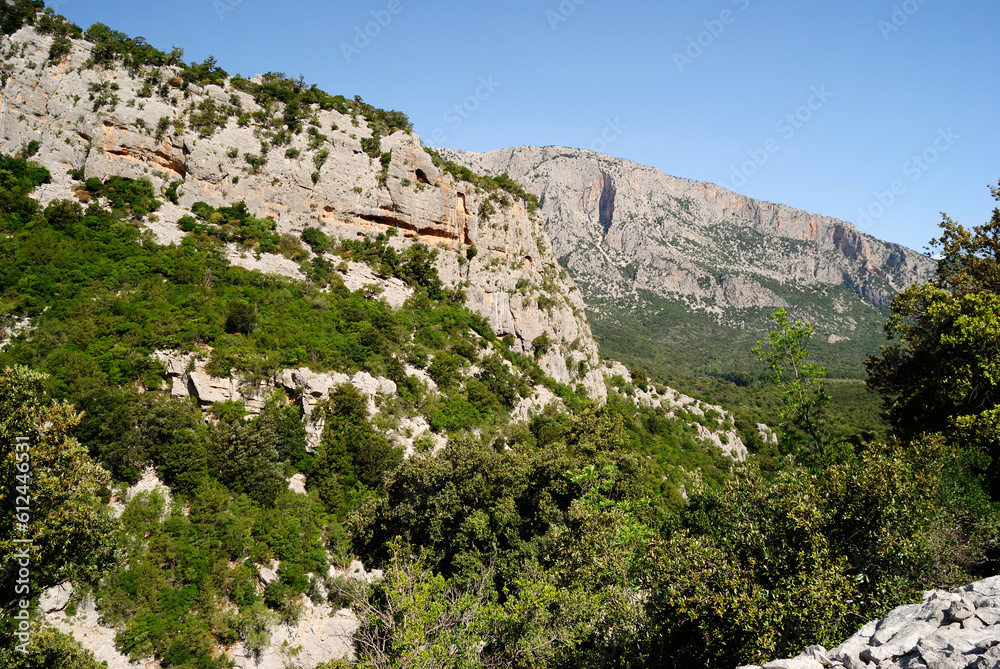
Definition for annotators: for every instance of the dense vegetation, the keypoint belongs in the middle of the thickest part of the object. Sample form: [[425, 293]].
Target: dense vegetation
[[587, 536], [101, 295], [714, 362]]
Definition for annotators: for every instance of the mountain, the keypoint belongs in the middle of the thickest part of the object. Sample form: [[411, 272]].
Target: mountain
[[284, 388], [640, 244], [344, 171]]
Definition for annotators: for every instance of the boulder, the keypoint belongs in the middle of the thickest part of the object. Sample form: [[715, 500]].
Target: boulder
[[365, 383], [209, 389], [297, 483], [268, 574], [56, 598]]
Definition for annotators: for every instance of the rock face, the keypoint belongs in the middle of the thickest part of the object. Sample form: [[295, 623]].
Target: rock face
[[188, 377], [320, 635], [947, 630], [352, 196], [623, 229]]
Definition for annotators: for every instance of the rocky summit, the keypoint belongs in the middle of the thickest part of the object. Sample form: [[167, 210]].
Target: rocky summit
[[630, 234]]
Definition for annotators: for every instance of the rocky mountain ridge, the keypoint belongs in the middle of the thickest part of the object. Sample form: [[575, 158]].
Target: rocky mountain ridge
[[628, 233], [95, 122], [92, 121]]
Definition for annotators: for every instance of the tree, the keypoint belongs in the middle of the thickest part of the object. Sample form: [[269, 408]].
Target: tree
[[13, 15], [803, 426], [537, 554], [542, 343], [764, 567], [352, 458], [244, 456], [315, 238], [940, 371], [50, 648], [68, 523], [127, 430], [240, 317]]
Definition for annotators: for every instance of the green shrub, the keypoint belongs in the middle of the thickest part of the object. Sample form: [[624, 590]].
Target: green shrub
[[240, 318], [541, 344], [316, 239]]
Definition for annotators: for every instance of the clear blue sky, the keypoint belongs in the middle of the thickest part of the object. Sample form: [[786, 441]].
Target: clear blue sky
[[699, 90]]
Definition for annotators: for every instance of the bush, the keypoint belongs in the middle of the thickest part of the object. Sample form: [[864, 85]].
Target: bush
[[542, 343], [240, 318], [60, 48], [454, 414], [316, 239]]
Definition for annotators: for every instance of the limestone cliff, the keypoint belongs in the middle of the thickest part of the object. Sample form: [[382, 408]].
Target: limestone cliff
[[625, 230], [100, 122]]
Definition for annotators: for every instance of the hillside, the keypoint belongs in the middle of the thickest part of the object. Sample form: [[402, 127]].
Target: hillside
[[339, 166], [261, 303], [282, 388], [668, 266]]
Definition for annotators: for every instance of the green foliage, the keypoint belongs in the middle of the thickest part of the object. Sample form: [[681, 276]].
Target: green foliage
[[209, 116], [128, 198], [13, 15], [50, 23], [112, 46], [764, 568], [535, 552], [353, 458], [234, 223], [243, 455], [297, 97], [316, 239], [103, 94], [17, 178], [476, 505], [48, 649], [803, 427], [542, 343], [29, 149], [319, 158], [47, 471], [171, 192], [169, 598], [126, 430], [455, 413], [59, 49], [415, 265], [939, 373], [240, 318]]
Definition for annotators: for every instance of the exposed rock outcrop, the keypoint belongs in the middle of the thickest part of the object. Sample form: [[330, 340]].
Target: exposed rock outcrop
[[623, 229], [320, 635], [947, 630], [186, 373], [351, 197]]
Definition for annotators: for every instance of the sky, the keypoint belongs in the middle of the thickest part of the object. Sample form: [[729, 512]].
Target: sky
[[878, 112]]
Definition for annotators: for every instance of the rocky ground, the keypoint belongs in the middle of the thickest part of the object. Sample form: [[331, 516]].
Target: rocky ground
[[947, 630]]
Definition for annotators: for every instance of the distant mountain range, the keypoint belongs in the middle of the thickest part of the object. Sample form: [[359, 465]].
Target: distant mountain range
[[690, 260]]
